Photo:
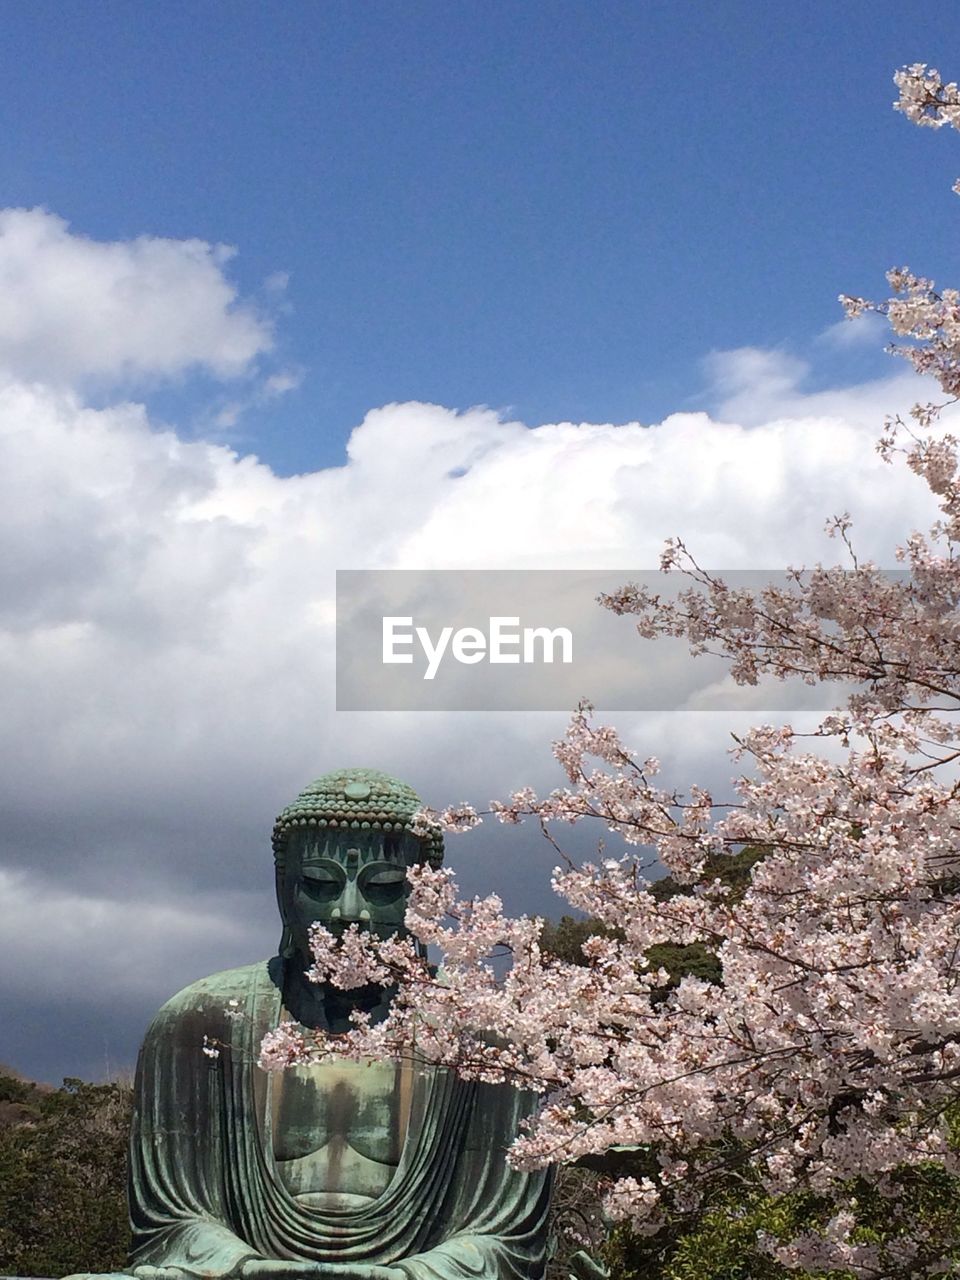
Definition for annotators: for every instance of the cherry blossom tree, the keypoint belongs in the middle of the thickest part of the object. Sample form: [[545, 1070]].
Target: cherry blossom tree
[[829, 1051]]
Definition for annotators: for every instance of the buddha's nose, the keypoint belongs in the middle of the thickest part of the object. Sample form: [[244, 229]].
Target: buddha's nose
[[350, 905]]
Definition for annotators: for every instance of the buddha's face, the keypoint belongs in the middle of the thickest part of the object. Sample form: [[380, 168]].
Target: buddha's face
[[342, 877]]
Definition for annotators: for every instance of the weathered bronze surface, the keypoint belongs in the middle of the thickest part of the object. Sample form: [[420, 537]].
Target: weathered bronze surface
[[353, 1171]]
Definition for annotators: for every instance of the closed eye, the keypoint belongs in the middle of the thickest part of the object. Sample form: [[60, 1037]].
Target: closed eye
[[322, 885], [384, 884]]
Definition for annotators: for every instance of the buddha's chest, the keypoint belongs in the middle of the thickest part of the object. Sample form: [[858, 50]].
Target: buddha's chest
[[338, 1129]]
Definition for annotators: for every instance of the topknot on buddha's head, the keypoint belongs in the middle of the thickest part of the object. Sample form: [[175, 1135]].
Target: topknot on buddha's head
[[361, 800]]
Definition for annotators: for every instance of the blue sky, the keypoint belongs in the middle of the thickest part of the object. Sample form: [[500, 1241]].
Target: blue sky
[[556, 208], [570, 213]]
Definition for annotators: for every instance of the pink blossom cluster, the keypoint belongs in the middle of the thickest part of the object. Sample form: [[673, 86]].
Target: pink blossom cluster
[[930, 318], [925, 99], [831, 1046]]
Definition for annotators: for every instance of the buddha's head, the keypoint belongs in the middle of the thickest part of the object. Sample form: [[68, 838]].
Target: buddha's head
[[342, 850]]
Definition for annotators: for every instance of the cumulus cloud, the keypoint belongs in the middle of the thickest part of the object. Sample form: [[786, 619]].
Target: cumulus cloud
[[166, 605], [166, 619], [166, 647], [75, 309]]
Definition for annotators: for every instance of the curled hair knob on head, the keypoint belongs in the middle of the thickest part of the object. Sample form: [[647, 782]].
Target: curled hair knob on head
[[355, 799]]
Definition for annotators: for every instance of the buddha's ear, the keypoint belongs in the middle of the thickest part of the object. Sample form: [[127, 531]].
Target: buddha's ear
[[280, 881], [287, 948]]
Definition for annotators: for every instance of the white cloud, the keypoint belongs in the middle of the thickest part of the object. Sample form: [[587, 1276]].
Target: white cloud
[[754, 387], [867, 330], [75, 309], [165, 624], [270, 388], [166, 664], [278, 384]]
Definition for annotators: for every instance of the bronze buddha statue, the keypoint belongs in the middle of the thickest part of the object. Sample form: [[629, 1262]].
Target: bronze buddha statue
[[357, 1171]]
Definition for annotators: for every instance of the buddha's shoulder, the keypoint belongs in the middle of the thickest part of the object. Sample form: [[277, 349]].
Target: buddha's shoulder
[[219, 991]]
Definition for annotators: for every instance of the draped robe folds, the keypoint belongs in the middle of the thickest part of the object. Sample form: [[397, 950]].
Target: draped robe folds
[[206, 1193]]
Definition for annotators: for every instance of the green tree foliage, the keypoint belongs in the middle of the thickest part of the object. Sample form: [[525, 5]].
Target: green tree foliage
[[565, 937], [722, 1243], [62, 1177]]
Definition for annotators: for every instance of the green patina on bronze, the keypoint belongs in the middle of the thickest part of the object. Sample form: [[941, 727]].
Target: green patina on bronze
[[359, 1171], [358, 800]]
